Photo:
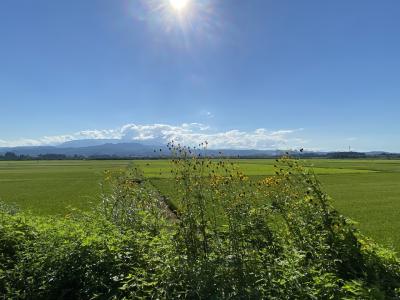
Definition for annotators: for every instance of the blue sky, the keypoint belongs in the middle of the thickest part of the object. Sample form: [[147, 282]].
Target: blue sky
[[268, 74]]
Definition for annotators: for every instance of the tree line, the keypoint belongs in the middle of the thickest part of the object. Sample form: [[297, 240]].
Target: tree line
[[11, 156]]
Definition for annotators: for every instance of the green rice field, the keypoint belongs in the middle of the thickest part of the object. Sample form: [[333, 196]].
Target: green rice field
[[368, 191]]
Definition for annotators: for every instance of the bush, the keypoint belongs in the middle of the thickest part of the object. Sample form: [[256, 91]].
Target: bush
[[278, 238]]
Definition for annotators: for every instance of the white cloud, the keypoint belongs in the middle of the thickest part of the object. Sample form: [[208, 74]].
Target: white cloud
[[186, 134]]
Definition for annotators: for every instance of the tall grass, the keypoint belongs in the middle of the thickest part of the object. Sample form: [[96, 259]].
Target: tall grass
[[230, 238]]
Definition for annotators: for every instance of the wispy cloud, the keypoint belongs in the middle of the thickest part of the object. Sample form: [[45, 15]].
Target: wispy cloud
[[187, 134], [209, 114], [206, 114], [351, 139]]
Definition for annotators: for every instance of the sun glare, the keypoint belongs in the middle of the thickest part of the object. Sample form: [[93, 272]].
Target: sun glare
[[188, 20], [179, 5]]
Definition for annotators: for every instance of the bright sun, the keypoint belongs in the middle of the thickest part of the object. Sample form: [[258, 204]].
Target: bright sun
[[179, 5]]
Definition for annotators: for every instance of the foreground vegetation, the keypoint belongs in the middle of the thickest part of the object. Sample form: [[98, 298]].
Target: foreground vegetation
[[232, 237], [368, 191]]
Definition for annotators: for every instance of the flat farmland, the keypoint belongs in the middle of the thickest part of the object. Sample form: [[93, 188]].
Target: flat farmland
[[368, 191], [50, 187]]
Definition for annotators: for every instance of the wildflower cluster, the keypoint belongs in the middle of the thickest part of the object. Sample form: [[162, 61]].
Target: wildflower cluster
[[244, 235]]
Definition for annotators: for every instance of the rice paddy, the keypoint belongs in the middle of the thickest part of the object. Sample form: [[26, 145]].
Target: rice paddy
[[368, 191]]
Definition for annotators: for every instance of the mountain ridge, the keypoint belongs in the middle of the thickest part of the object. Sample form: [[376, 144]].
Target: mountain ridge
[[122, 148]]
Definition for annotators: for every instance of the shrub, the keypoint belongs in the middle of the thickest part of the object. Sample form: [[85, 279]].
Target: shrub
[[278, 238]]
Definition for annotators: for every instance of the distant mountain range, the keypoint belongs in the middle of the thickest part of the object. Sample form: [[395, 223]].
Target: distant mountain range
[[118, 148], [87, 149]]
